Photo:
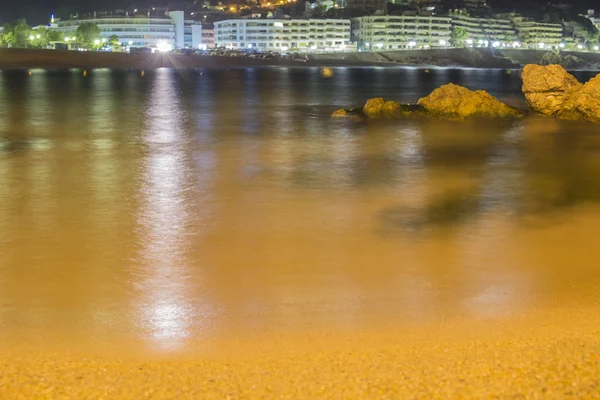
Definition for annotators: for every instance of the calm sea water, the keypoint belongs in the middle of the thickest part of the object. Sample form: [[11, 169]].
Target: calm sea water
[[178, 206]]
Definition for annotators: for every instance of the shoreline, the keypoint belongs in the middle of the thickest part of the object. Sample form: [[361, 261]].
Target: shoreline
[[549, 353], [15, 59]]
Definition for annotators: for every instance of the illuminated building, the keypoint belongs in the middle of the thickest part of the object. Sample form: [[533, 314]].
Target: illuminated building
[[401, 32], [142, 31], [297, 35]]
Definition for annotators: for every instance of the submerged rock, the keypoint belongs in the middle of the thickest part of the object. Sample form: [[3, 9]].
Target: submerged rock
[[353, 113], [547, 88], [379, 108], [454, 101], [583, 104]]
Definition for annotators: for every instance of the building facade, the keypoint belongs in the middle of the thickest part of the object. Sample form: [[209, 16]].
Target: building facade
[[283, 35], [486, 30], [142, 31], [539, 35], [401, 32]]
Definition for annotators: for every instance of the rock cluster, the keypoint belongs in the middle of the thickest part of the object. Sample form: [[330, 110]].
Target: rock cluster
[[550, 90]]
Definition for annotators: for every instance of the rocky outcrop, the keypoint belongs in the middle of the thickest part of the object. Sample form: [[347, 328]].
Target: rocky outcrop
[[564, 60], [547, 88], [379, 108], [583, 104], [355, 114], [453, 101]]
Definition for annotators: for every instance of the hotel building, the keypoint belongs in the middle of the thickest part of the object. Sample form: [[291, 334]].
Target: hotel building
[[294, 35], [401, 32]]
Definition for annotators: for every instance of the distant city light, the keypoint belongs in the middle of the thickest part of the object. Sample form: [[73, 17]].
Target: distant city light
[[67, 38], [562, 45], [313, 47], [97, 42], [480, 41], [516, 44], [579, 47], [469, 41], [596, 48], [284, 48], [443, 42], [412, 44], [379, 45], [249, 46], [278, 24], [130, 42], [31, 37], [163, 46], [38, 36], [103, 40], [541, 45], [496, 44]]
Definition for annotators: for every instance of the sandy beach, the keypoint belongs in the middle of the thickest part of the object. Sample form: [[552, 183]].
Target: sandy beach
[[550, 354]]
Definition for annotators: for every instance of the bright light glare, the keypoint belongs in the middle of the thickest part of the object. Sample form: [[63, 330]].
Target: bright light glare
[[284, 48], [517, 44], [379, 45], [579, 47], [38, 36], [96, 42], [31, 37], [469, 41], [443, 42], [249, 46], [163, 46], [412, 44], [541, 45], [596, 48], [278, 24], [496, 44], [562, 45], [313, 47]]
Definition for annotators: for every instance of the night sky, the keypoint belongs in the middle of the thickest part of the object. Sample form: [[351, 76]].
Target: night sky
[[38, 11]]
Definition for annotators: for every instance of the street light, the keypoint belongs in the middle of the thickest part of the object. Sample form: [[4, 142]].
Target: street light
[[31, 37]]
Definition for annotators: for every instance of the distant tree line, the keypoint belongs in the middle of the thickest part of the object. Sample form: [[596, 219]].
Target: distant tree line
[[20, 34]]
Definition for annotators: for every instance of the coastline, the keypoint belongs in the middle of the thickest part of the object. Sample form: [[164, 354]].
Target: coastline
[[458, 58]]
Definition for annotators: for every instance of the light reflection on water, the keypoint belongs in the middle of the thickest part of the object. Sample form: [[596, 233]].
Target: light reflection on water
[[181, 205]]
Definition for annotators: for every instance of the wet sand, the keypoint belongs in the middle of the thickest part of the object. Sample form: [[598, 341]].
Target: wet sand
[[548, 354]]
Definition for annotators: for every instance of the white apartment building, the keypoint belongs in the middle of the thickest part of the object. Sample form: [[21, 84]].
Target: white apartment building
[[283, 35], [401, 32], [538, 35], [141, 31], [484, 30]]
